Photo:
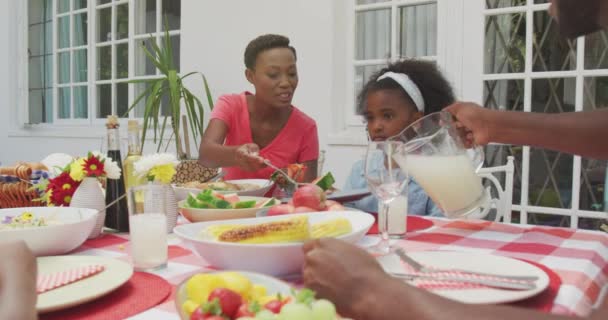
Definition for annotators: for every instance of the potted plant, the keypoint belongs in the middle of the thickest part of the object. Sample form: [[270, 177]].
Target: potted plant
[[170, 87]]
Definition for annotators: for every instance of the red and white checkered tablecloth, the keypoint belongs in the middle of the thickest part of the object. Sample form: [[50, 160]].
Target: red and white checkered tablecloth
[[579, 257]]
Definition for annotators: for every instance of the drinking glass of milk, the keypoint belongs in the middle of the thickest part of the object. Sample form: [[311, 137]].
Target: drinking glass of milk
[[387, 182], [148, 227], [433, 154]]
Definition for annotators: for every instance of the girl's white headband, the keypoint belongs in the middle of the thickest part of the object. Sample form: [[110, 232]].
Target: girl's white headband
[[408, 85]]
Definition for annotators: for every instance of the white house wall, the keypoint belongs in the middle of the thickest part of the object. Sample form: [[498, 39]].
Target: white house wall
[[214, 35]]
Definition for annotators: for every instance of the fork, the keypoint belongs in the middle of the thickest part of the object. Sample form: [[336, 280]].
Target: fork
[[423, 269], [495, 283], [287, 177]]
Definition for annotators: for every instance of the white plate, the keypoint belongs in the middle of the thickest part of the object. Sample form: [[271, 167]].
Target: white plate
[[481, 263], [73, 226], [116, 273], [273, 259], [273, 286], [264, 185]]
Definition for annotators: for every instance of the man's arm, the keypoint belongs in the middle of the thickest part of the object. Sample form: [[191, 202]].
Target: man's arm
[[581, 133]]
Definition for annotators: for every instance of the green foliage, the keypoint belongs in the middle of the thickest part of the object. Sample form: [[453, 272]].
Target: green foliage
[[170, 87]]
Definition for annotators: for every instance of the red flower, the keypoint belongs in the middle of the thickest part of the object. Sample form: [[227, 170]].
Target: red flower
[[93, 167], [63, 188]]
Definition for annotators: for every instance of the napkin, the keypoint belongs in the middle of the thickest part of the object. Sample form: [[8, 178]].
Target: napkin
[[55, 280]]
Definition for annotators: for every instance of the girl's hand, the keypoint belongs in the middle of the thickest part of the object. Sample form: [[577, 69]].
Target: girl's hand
[[248, 158]]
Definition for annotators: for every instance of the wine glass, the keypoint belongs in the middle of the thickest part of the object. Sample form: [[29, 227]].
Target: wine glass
[[386, 181]]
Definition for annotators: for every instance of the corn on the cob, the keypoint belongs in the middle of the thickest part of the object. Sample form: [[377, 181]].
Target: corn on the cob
[[331, 228], [289, 230]]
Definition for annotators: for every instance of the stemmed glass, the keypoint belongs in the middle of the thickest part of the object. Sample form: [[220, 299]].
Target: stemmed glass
[[386, 181]]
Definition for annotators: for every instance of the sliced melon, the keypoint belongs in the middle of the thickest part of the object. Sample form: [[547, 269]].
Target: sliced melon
[[267, 203], [325, 182]]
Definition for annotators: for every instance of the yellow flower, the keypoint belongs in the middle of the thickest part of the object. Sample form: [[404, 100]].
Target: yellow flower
[[162, 173], [76, 171], [26, 216]]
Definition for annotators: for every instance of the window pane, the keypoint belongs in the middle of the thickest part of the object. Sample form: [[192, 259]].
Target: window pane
[[63, 67], [35, 11], [48, 38], [64, 103], [36, 109], [63, 6], [48, 105], [104, 63], [48, 71], [122, 21], [100, 2], [145, 16], [122, 61], [594, 175], [35, 70], [418, 31], [81, 102], [122, 99], [104, 100], [80, 65], [551, 51], [493, 4], [362, 75], [373, 35], [138, 111], [80, 29], [63, 32], [171, 11], [36, 39], [505, 43], [550, 183], [104, 24], [596, 50], [143, 66], [175, 48], [79, 4]]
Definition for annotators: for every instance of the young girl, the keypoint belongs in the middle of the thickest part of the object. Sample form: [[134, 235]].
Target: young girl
[[391, 100], [247, 128]]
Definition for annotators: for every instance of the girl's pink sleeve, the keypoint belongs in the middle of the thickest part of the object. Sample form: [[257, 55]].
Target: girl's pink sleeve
[[310, 145]]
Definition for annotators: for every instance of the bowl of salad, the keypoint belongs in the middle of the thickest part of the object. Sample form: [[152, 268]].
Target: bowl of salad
[[210, 205], [242, 187], [47, 230]]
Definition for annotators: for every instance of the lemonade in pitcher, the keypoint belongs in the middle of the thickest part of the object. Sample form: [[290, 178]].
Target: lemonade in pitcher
[[434, 155]]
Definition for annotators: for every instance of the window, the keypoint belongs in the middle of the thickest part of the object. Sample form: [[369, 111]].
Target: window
[[386, 31], [83, 52], [529, 67]]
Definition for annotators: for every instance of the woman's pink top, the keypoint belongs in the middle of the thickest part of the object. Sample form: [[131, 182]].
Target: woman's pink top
[[297, 142]]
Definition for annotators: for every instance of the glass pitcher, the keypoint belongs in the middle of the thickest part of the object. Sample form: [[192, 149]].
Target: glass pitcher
[[434, 155]]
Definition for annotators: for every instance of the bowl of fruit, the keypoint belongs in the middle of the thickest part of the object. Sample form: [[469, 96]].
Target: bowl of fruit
[[209, 205], [307, 198], [229, 295]]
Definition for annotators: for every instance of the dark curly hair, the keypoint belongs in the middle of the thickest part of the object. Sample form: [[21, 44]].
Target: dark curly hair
[[263, 43], [435, 89]]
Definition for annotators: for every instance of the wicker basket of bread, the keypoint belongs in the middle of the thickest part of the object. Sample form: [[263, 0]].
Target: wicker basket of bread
[[16, 185]]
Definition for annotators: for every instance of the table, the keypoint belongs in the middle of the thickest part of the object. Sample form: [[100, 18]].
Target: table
[[579, 257]]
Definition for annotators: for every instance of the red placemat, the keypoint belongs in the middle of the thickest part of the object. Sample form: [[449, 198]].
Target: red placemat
[[142, 292], [544, 300], [414, 223]]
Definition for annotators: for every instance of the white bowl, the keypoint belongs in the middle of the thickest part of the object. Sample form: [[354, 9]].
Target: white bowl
[[199, 215], [274, 259], [73, 228], [273, 286], [181, 193]]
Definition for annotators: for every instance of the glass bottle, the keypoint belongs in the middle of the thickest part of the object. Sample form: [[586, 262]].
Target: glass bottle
[[134, 154], [117, 215]]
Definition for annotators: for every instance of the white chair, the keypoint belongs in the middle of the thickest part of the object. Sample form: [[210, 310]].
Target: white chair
[[504, 200]]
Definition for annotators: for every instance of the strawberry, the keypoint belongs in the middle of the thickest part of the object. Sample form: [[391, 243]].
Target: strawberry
[[247, 310], [274, 306], [229, 300]]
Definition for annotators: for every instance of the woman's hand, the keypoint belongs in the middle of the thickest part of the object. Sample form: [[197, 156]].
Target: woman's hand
[[342, 273], [17, 281], [248, 158]]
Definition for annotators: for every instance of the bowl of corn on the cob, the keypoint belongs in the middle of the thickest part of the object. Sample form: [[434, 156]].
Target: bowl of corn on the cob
[[270, 245]]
